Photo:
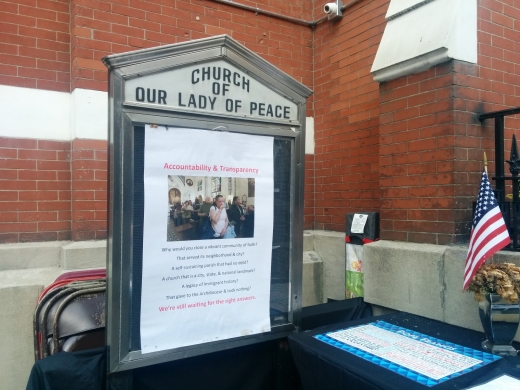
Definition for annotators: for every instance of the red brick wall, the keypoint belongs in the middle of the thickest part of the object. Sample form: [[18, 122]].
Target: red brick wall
[[89, 189], [35, 44], [496, 86], [346, 114], [100, 28], [430, 156], [52, 190], [411, 147], [44, 41], [34, 190], [431, 142]]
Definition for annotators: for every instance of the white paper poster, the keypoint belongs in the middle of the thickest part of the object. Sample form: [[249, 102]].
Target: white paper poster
[[197, 290], [421, 356], [358, 223], [503, 382]]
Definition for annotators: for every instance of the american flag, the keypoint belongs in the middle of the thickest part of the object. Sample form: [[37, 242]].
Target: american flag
[[489, 232]]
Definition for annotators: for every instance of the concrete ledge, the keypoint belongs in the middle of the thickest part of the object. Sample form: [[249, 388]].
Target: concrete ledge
[[21, 283], [423, 279], [330, 246], [16, 338], [84, 254], [308, 241], [312, 283], [460, 308], [417, 278], [66, 254], [28, 277], [19, 291], [30, 255], [406, 277], [25, 269]]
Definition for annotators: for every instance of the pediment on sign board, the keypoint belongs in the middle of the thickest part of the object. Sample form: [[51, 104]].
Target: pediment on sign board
[[214, 76]]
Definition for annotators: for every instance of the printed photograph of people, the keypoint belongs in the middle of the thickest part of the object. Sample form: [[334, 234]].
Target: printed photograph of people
[[208, 208]]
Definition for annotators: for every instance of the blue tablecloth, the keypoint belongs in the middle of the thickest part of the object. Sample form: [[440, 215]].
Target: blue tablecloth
[[322, 366]]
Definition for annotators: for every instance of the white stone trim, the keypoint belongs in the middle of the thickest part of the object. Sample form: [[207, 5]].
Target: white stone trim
[[414, 65], [309, 135], [398, 8], [34, 113], [421, 34], [49, 115], [89, 114]]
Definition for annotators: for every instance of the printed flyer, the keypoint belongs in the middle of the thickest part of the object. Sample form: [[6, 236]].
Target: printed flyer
[[207, 236], [354, 272], [419, 357]]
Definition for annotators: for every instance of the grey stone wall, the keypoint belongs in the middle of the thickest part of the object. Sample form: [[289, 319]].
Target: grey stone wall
[[423, 279], [417, 278]]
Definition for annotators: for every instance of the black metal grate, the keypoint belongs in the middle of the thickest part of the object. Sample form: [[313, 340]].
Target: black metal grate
[[510, 210]]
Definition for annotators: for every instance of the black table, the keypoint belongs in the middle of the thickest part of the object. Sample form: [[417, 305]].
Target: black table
[[322, 366]]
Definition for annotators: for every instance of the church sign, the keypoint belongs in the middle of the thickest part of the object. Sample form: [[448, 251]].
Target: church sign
[[216, 88], [211, 122]]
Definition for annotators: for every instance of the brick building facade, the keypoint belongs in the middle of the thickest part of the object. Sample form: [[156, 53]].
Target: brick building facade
[[409, 147], [391, 127]]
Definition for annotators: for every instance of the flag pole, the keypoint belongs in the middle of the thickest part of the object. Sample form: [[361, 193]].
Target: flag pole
[[485, 170]]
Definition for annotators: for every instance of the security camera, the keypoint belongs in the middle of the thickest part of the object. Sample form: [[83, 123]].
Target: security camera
[[330, 8], [333, 10]]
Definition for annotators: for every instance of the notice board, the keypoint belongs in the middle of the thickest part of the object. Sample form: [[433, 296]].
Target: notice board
[[205, 138]]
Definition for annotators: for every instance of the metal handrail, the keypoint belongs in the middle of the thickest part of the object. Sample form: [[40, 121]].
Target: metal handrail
[[495, 114], [510, 210]]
